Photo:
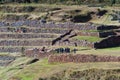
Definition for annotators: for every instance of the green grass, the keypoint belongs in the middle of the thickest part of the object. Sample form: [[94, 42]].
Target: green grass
[[105, 20], [96, 31], [112, 48], [88, 38], [4, 53], [107, 51], [30, 4], [43, 69], [12, 69]]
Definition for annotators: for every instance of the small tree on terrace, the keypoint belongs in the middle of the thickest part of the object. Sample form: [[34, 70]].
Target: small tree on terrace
[[113, 2], [23, 51], [99, 1], [36, 1], [78, 2]]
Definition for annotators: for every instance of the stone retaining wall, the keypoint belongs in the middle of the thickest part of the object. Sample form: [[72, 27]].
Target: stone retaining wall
[[25, 42], [36, 54], [19, 9], [37, 23], [67, 25], [81, 43], [10, 49], [97, 34], [81, 58], [26, 36], [112, 41], [36, 26], [34, 30]]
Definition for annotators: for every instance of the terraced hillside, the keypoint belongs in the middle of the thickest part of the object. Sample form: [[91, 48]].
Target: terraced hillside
[[28, 33], [20, 32], [58, 42]]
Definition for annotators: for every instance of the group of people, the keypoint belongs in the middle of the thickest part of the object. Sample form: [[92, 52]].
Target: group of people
[[17, 30], [65, 50], [58, 50]]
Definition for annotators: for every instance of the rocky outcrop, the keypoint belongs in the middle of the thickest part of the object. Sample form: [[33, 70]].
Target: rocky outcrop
[[65, 37], [111, 41]]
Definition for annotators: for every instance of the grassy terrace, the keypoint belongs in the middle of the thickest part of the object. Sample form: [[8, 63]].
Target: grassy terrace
[[81, 50], [106, 20], [42, 68], [12, 69], [115, 51], [97, 30], [21, 69], [19, 46], [31, 4], [88, 38], [43, 5], [103, 20]]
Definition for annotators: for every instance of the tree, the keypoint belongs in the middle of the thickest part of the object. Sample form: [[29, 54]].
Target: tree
[[78, 2], [36, 1], [23, 51], [99, 1], [113, 2]]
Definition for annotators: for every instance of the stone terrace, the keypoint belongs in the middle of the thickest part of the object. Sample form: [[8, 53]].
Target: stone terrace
[[33, 33], [18, 34], [81, 58]]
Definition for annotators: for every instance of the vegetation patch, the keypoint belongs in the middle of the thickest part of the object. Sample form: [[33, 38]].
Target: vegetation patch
[[88, 38]]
